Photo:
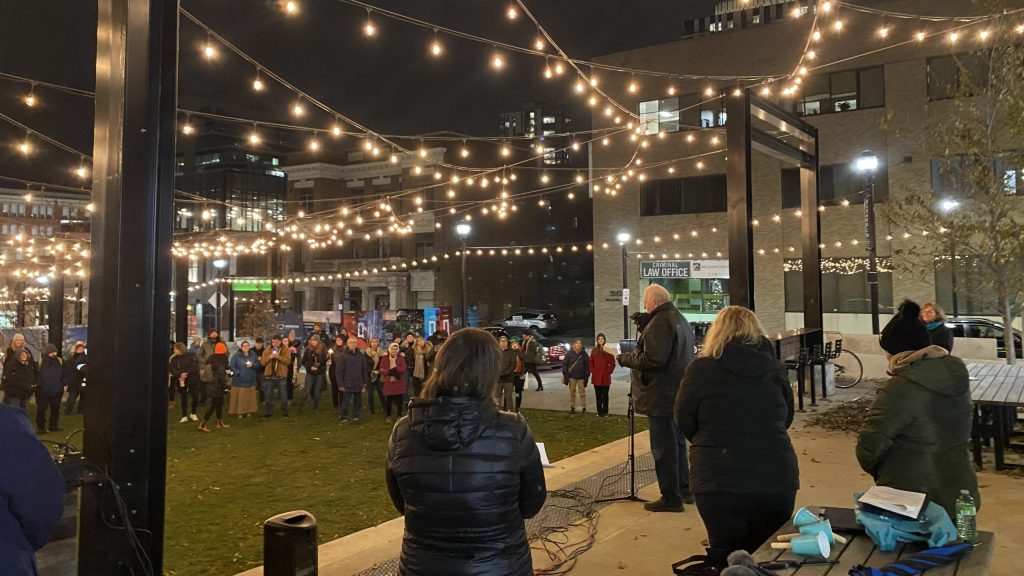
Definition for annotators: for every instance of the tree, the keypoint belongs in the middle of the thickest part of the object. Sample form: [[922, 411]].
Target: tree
[[261, 319], [978, 205]]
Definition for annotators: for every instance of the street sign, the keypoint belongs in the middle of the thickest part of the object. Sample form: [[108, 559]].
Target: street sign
[[217, 300], [625, 296]]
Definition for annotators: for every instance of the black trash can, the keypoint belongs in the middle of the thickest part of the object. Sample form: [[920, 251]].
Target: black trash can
[[289, 545], [627, 346]]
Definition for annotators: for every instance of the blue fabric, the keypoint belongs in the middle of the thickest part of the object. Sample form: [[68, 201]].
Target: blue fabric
[[31, 494], [51, 372], [934, 325], [244, 377], [917, 563], [935, 528]]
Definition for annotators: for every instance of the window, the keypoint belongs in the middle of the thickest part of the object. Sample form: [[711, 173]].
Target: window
[[306, 203], [207, 159], [660, 115], [836, 183], [693, 195], [946, 172], [548, 120], [844, 288], [712, 113], [956, 75], [424, 249], [842, 92], [973, 296]]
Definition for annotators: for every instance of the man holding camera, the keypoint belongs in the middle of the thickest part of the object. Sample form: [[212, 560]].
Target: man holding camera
[[663, 351]]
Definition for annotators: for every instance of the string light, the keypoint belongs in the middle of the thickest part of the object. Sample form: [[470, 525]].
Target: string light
[[25, 148], [30, 98], [187, 129], [919, 36], [336, 130], [512, 13], [314, 146], [838, 25], [369, 30], [257, 83], [254, 137], [435, 47], [883, 32], [497, 62], [539, 43], [210, 49], [291, 7], [298, 110]]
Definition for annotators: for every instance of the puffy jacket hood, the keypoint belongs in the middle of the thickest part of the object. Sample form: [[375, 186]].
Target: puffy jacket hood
[[749, 360], [450, 423], [932, 368]]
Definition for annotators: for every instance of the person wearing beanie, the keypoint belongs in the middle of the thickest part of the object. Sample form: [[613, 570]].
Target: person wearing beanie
[[218, 362], [51, 390], [602, 364], [917, 432]]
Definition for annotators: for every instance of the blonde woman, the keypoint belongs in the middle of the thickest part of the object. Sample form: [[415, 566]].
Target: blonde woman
[[421, 350], [934, 319], [735, 405]]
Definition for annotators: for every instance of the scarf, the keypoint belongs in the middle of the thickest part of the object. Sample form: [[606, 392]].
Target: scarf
[[934, 325]]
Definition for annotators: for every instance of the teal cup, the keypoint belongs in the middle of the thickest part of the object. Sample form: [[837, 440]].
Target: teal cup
[[823, 527], [811, 545], [804, 516]]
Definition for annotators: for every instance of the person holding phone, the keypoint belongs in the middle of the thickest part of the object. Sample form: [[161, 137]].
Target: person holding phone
[[275, 361], [245, 366]]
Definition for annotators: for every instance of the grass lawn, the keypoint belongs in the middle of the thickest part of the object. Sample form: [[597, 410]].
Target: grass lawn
[[221, 486]]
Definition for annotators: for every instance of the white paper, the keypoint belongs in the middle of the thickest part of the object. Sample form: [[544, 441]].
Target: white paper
[[901, 502], [544, 456]]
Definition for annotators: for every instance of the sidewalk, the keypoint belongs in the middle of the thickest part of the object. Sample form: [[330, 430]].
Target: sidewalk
[[630, 540]]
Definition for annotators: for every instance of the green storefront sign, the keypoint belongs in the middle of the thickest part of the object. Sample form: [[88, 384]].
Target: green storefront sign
[[241, 285]]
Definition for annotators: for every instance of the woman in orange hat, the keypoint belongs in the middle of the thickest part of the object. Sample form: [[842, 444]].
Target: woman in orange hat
[[215, 389]]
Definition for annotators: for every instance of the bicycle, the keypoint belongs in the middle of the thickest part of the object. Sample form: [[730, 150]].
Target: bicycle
[[849, 370]]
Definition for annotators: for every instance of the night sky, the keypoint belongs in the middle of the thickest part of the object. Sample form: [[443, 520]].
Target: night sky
[[389, 83]]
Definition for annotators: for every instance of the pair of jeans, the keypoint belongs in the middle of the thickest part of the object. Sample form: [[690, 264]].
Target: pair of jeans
[[601, 393], [577, 385], [671, 463], [739, 521], [395, 400], [314, 385], [531, 369], [269, 384], [375, 387], [517, 385], [332, 380], [44, 402], [186, 392], [353, 399], [74, 400], [216, 406]]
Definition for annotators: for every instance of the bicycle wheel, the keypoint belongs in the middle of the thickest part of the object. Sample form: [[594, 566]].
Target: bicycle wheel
[[849, 370]]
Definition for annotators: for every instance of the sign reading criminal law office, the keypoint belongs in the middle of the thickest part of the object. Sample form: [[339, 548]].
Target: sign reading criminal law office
[[683, 269]]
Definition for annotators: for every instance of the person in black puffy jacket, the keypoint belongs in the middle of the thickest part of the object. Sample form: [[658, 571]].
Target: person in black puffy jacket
[[735, 405], [464, 474]]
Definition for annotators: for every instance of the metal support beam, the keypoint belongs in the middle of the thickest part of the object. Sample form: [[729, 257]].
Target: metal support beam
[[740, 207], [811, 244], [181, 300], [133, 185], [55, 308]]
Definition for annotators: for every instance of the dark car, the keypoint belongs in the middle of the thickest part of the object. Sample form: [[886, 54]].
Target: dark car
[[554, 349], [985, 328]]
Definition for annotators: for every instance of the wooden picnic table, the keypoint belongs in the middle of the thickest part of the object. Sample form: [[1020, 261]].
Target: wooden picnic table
[[1001, 388], [861, 550]]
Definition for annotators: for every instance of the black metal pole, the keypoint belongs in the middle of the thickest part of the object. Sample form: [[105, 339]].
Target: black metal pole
[[19, 320], [133, 191], [181, 300], [78, 303], [55, 307], [952, 263], [465, 310], [218, 307], [869, 232], [625, 286], [231, 313]]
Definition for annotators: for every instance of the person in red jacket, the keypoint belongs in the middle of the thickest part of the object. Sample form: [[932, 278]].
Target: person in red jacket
[[602, 364], [392, 371]]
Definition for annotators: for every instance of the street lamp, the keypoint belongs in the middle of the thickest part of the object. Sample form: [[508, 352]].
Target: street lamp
[[463, 229], [867, 164], [948, 206], [623, 238], [220, 264]]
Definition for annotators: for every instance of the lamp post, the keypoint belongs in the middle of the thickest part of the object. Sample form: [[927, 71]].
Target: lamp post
[[623, 238], [867, 164], [220, 264], [948, 206], [463, 229]]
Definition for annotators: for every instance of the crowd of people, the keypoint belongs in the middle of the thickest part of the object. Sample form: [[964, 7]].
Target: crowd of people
[[268, 372], [46, 379]]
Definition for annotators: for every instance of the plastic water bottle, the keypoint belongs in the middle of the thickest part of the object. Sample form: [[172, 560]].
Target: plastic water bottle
[[966, 527]]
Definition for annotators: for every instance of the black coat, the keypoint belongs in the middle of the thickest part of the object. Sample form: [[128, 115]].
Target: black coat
[[465, 476], [20, 380], [663, 351], [735, 411], [941, 335]]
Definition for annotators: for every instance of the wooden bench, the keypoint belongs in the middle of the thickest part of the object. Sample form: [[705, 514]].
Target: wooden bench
[[861, 550], [1000, 388]]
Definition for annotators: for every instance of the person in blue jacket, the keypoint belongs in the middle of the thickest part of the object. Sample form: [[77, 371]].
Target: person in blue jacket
[[31, 494], [51, 392]]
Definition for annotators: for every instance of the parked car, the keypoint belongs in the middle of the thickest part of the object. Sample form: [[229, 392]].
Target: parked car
[[543, 320], [554, 349], [985, 328]]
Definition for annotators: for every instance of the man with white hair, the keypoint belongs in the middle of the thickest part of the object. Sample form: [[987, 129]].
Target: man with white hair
[[663, 351]]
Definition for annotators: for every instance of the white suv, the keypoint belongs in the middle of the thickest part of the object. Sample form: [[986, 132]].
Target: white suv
[[543, 321]]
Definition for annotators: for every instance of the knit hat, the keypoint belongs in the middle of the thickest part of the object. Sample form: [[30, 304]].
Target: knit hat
[[906, 331], [220, 348], [49, 349]]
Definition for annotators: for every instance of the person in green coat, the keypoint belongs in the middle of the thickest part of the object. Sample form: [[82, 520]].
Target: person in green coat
[[917, 433]]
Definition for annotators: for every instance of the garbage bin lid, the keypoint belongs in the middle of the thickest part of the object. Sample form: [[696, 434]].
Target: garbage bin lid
[[295, 519]]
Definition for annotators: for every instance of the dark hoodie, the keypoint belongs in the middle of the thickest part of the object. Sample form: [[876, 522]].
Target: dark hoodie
[[465, 476], [735, 411], [916, 434]]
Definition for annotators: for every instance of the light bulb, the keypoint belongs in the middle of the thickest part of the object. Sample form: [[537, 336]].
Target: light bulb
[[579, 87], [883, 32], [983, 35], [920, 36], [547, 72], [336, 130], [209, 51], [254, 138], [394, 158], [369, 30], [505, 151], [25, 148], [30, 100], [593, 81], [464, 152], [826, 7], [632, 87], [187, 129], [953, 37], [298, 110], [559, 69], [538, 44], [512, 13], [368, 145], [82, 172], [816, 35], [802, 71], [796, 12], [811, 54], [435, 48], [709, 91], [291, 7], [314, 145], [257, 84], [838, 25], [497, 62]]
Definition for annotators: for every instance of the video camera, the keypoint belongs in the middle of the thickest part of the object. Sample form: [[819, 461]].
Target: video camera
[[640, 319]]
